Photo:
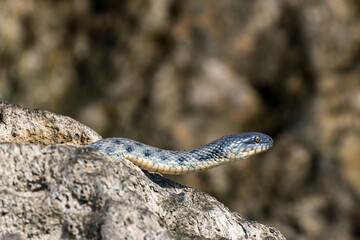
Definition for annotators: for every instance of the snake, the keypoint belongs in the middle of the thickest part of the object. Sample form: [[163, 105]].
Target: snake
[[224, 150]]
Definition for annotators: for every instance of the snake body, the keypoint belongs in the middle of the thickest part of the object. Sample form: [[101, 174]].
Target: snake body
[[223, 150]]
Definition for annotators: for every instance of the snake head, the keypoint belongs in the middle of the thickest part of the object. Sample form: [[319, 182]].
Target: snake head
[[243, 145]]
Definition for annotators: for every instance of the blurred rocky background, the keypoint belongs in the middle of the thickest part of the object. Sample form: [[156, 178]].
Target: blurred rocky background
[[178, 73]]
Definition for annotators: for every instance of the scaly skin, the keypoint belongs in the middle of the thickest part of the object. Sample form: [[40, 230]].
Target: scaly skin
[[221, 151]]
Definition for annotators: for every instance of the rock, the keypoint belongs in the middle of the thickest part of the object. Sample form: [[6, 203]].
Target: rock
[[53, 192], [22, 125], [75, 192]]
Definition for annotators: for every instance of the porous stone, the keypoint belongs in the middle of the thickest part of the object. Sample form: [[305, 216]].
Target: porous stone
[[22, 125], [76, 192], [65, 191]]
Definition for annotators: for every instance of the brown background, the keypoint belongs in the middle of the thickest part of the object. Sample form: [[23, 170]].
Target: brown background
[[177, 74]]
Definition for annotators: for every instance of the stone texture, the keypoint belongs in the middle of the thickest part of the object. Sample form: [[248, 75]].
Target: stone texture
[[23, 125], [69, 192], [66, 191]]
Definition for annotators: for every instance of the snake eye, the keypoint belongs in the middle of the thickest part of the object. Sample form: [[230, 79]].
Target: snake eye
[[257, 139]]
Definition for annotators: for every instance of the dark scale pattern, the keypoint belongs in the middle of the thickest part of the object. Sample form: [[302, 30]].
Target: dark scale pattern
[[181, 159], [147, 153], [194, 150], [213, 154], [163, 158], [222, 150], [129, 148]]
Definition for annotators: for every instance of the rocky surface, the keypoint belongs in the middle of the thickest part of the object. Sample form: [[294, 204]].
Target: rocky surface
[[23, 125], [178, 73], [75, 192]]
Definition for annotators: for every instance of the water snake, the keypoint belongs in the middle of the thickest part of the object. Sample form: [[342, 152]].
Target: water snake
[[223, 150]]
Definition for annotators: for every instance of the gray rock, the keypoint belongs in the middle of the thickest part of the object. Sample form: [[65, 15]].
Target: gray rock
[[75, 192], [23, 125]]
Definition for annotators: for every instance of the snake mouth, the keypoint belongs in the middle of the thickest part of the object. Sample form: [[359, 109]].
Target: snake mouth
[[255, 150]]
